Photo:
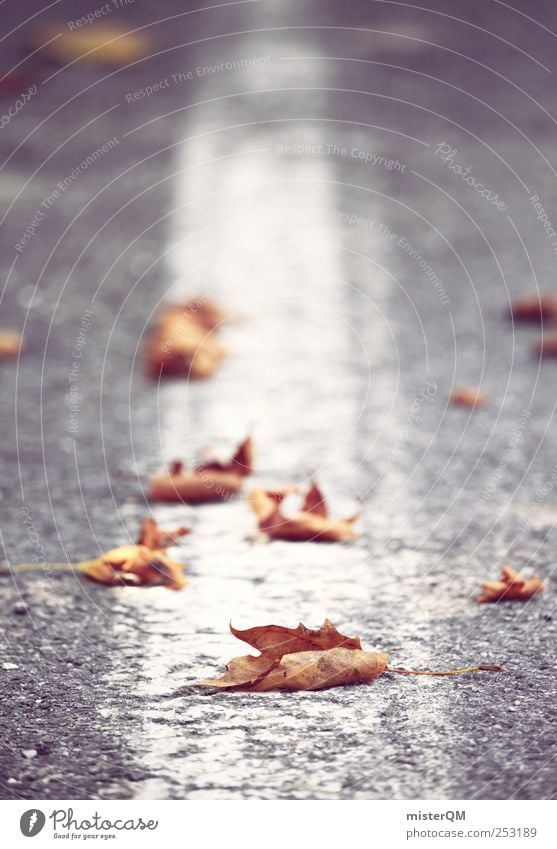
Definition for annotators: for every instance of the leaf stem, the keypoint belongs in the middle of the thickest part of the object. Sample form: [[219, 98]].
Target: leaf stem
[[480, 668], [37, 567]]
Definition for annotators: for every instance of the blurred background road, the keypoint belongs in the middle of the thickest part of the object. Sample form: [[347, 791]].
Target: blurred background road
[[297, 161]]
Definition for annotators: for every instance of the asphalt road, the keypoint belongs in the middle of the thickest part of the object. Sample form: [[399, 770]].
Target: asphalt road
[[313, 190]]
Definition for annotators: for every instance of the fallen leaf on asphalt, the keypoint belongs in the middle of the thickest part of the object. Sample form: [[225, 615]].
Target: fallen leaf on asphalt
[[276, 640], [546, 347], [144, 563], [10, 344], [211, 481], [511, 587], [137, 565], [299, 659], [467, 396], [302, 659], [97, 44], [535, 308], [184, 341], [312, 523]]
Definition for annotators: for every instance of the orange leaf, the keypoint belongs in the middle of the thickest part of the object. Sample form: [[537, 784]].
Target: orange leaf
[[313, 523], [136, 565], [209, 482], [467, 396], [511, 587], [184, 343], [141, 564], [10, 344]]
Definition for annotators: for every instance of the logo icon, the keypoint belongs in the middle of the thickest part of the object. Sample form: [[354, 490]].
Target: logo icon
[[32, 822]]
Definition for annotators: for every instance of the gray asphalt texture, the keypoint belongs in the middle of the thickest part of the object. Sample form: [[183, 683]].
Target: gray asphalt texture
[[343, 354]]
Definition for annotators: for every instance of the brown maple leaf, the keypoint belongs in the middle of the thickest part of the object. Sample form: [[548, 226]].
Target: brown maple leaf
[[312, 523], [536, 308], [511, 587], [207, 482], [184, 341], [467, 396], [10, 344], [98, 44], [276, 640], [303, 659], [299, 659], [144, 563], [137, 565]]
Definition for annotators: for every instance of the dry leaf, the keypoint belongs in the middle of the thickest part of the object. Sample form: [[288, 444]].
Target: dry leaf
[[313, 523], [97, 44], [467, 396], [208, 482], [302, 659], [546, 347], [184, 343], [317, 670], [299, 659], [154, 537], [137, 565], [10, 344], [275, 640], [511, 587], [536, 308], [144, 563]]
